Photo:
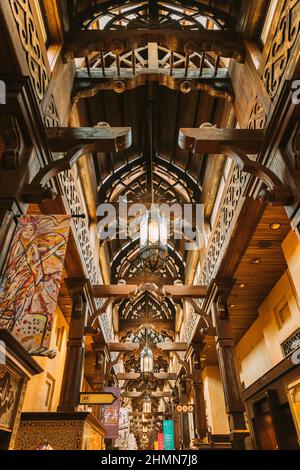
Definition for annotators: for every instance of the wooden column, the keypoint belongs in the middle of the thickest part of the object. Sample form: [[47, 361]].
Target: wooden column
[[185, 429], [176, 419], [200, 412], [229, 374], [74, 364]]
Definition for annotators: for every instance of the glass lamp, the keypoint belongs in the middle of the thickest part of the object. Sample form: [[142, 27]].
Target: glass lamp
[[153, 239], [147, 405], [146, 358]]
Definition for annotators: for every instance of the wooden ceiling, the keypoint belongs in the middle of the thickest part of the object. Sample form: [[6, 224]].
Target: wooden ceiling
[[171, 110], [255, 281]]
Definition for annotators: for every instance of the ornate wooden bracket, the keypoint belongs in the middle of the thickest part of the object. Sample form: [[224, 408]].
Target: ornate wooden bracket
[[276, 193], [75, 142], [213, 140], [209, 329], [236, 144], [111, 364], [184, 364], [98, 312]]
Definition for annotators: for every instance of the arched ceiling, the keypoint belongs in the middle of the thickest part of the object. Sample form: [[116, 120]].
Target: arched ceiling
[[186, 14], [127, 265], [155, 113]]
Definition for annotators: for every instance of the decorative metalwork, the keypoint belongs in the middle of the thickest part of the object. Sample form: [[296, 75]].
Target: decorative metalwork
[[127, 264], [157, 309], [22, 11], [281, 47], [156, 14], [170, 185]]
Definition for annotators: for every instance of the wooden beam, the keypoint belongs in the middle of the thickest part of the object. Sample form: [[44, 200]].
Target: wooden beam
[[147, 323], [224, 43], [159, 394], [136, 376], [169, 346], [113, 290], [128, 376], [179, 292], [131, 394], [156, 394], [213, 140], [149, 279], [164, 376], [98, 139], [122, 347]]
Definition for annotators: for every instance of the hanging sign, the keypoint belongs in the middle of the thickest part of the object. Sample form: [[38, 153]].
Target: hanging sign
[[31, 280], [160, 442], [111, 413], [168, 428], [97, 398]]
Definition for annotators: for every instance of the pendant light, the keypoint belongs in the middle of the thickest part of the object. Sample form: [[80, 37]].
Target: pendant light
[[153, 224]]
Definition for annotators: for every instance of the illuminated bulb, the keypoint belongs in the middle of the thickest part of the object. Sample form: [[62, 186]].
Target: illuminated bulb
[[275, 226]]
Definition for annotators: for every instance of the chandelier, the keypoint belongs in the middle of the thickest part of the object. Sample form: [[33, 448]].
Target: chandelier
[[153, 240], [147, 405], [153, 224], [146, 356]]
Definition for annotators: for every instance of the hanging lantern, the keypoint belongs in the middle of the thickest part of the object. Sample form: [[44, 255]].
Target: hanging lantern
[[153, 240], [146, 358], [147, 405]]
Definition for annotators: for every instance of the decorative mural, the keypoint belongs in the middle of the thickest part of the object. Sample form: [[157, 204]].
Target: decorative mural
[[30, 284]]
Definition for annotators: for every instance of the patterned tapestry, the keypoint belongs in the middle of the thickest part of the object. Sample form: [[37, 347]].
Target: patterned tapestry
[[31, 280], [111, 414]]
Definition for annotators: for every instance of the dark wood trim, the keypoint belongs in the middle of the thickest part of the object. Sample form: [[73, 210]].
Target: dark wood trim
[[273, 374]]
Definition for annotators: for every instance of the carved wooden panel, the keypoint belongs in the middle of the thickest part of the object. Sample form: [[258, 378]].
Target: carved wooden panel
[[22, 11], [10, 385], [61, 435], [234, 193], [51, 118], [293, 147], [71, 193], [258, 116], [281, 48]]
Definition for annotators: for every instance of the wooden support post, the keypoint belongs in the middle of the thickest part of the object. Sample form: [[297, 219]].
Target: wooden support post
[[176, 419], [74, 363], [229, 374], [200, 412]]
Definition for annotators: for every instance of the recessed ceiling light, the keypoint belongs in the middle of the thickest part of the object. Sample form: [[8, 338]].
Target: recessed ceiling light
[[275, 226], [241, 285], [264, 244], [256, 260], [232, 305]]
